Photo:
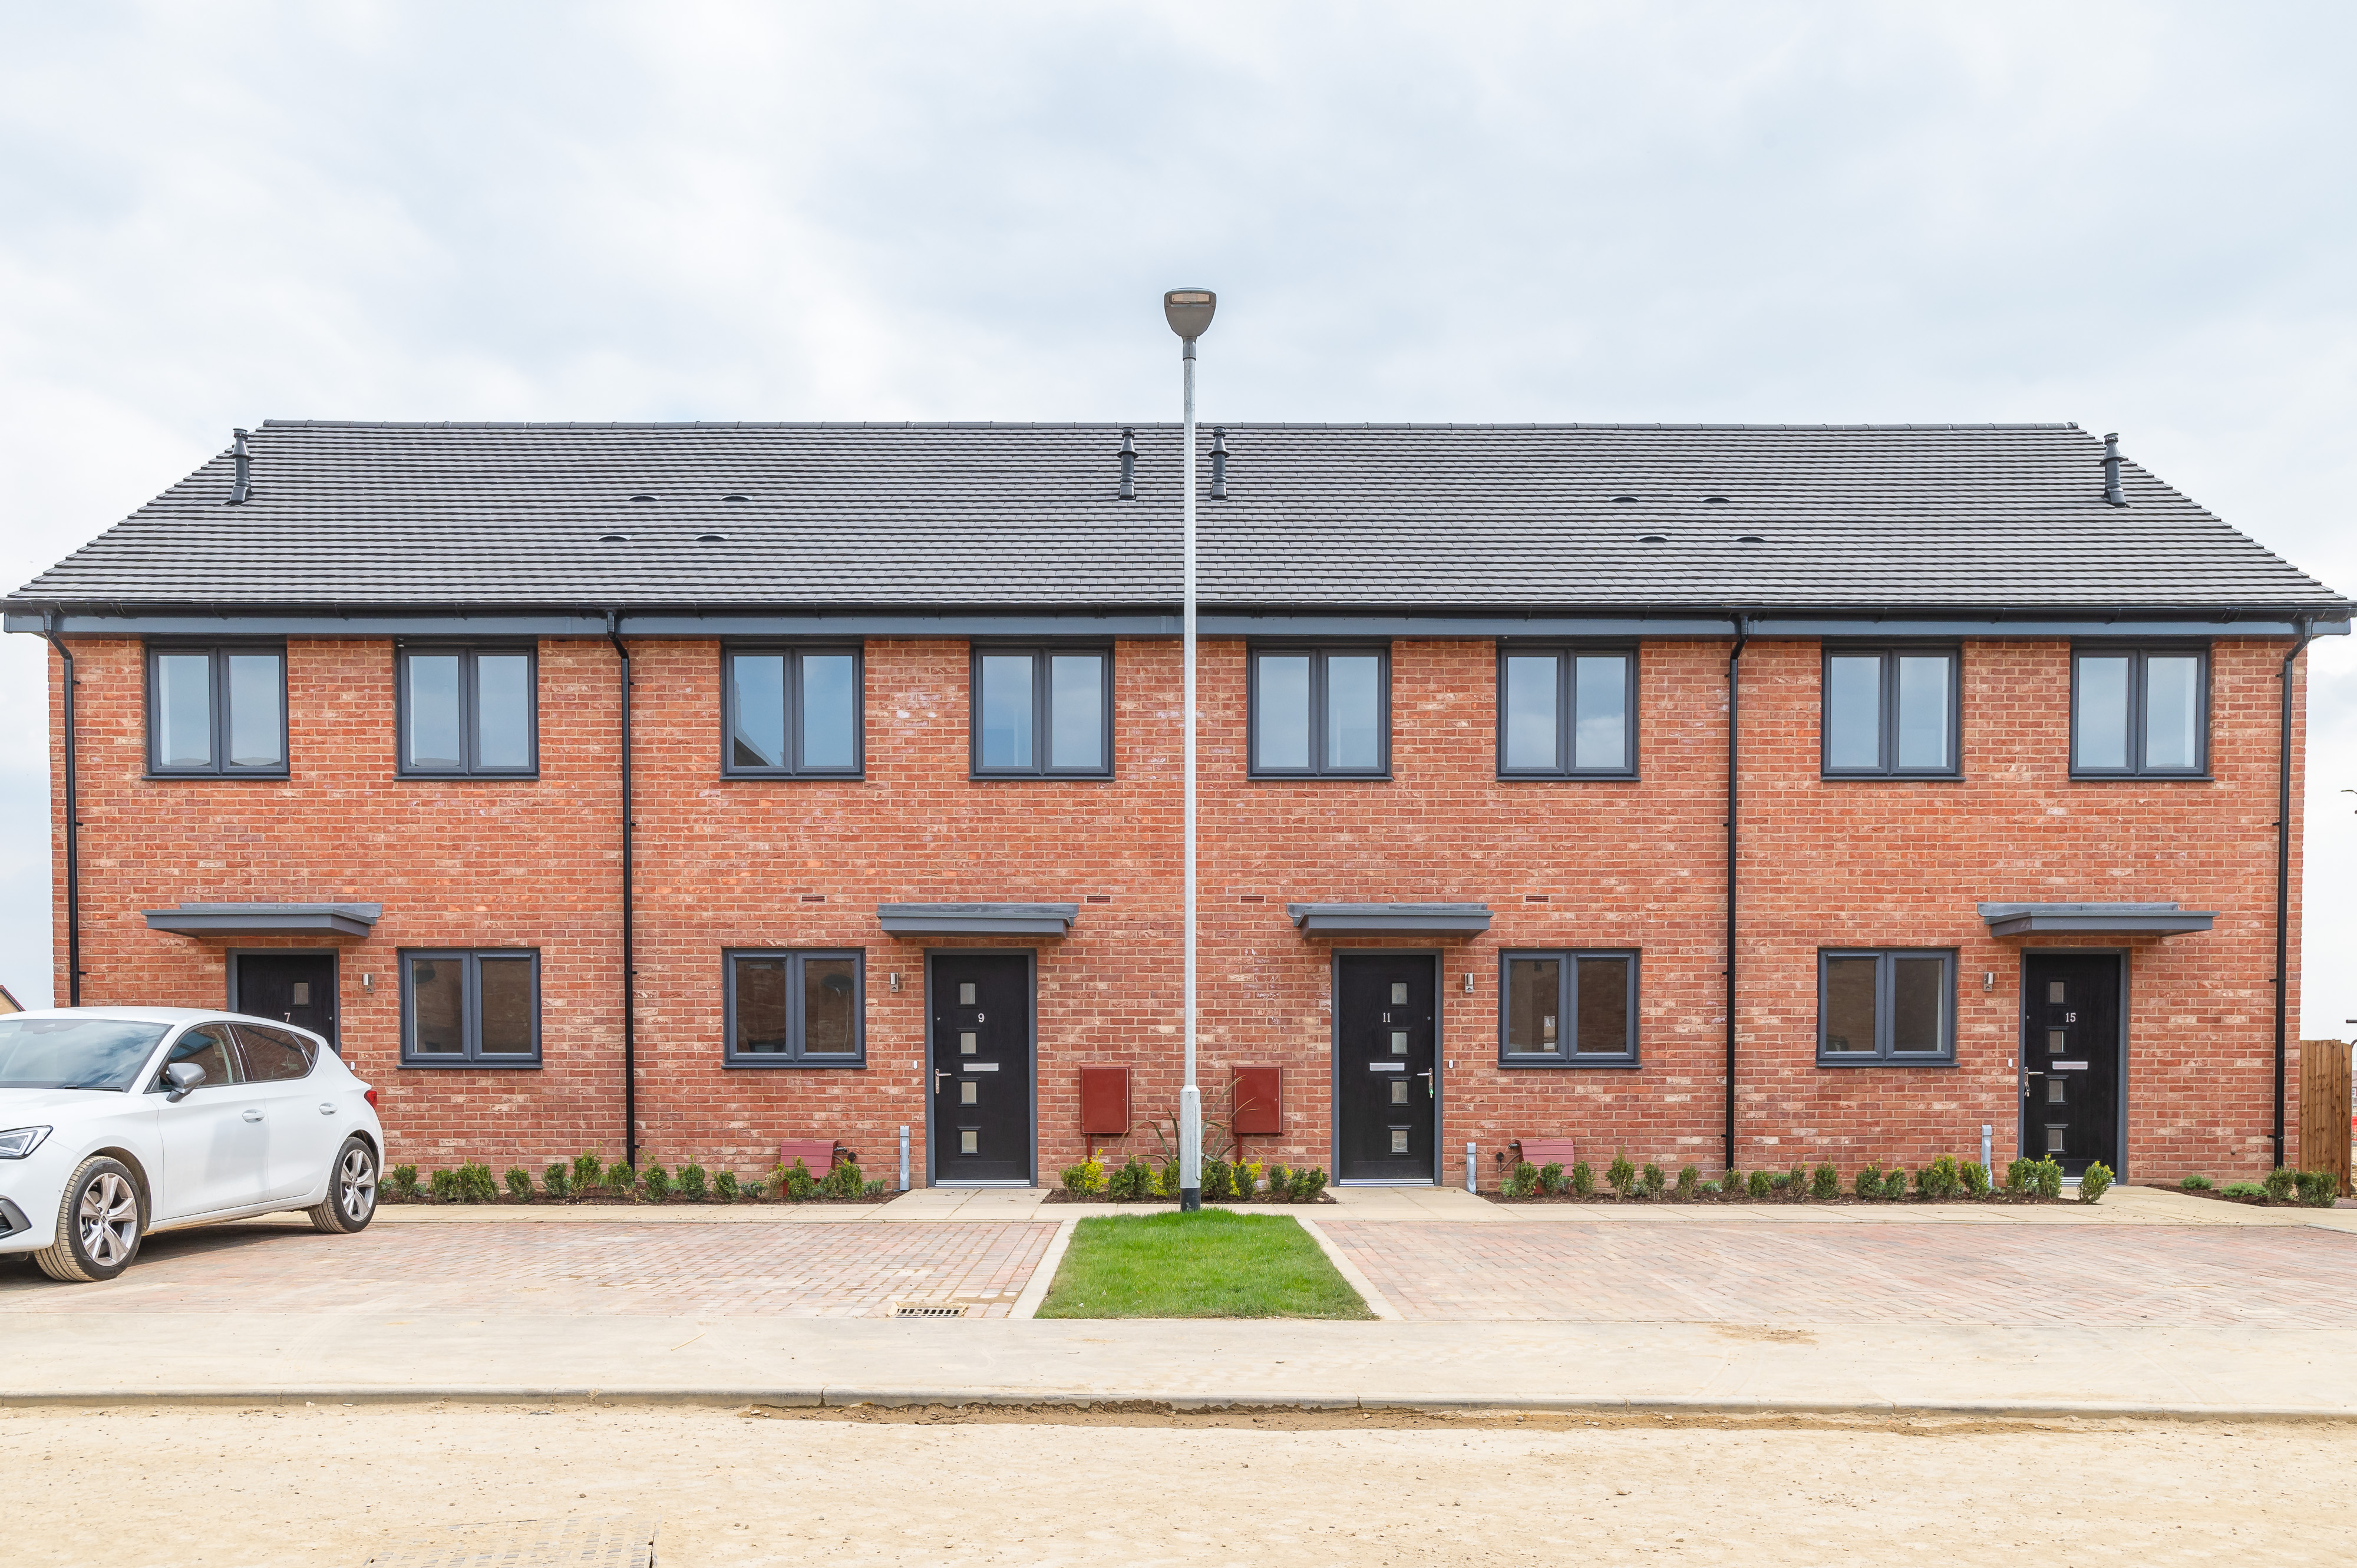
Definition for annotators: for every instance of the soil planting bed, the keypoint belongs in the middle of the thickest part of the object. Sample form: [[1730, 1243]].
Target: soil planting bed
[[1850, 1200], [505, 1201]]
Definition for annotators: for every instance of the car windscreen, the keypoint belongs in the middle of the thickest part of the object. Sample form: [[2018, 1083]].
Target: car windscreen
[[74, 1053]]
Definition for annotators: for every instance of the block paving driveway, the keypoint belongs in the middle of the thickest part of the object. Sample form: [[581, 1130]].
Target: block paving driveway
[[1748, 1274]]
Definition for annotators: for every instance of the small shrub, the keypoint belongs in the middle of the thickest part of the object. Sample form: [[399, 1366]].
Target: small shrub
[[587, 1171], [1306, 1185], [1132, 1183], [1732, 1187], [1795, 1184], [2094, 1182], [1825, 1184], [1084, 1180], [844, 1179], [690, 1181], [1939, 1179], [1975, 1178], [656, 1182], [1219, 1182], [1869, 1181], [444, 1185], [621, 1181], [878, 1189], [2279, 1183], [1521, 1180], [1551, 1179], [518, 1182], [476, 1182], [2048, 1173], [557, 1180], [1247, 1180], [1653, 1181], [1583, 1179], [1762, 1184], [1894, 1182], [1166, 1180], [2318, 1189], [724, 1186], [2198, 1183], [403, 1180], [1689, 1181], [2243, 1189], [794, 1183], [1622, 1174]]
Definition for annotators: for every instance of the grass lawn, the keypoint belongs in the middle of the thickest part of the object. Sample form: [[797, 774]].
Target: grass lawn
[[1207, 1264]]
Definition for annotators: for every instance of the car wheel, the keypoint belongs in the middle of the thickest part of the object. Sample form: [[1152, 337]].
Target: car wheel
[[99, 1225], [352, 1191]]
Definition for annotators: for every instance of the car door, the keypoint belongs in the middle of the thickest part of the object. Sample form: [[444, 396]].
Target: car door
[[301, 1127], [213, 1138]]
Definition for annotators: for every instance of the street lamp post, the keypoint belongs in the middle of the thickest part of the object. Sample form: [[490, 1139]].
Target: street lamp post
[[1188, 311]]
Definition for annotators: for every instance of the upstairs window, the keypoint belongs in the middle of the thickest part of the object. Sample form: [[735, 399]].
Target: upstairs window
[[1885, 1007], [1567, 713], [217, 712], [1891, 712], [2139, 712], [1042, 713], [1567, 1009], [467, 712], [794, 713], [471, 1009], [1320, 712], [795, 1009]]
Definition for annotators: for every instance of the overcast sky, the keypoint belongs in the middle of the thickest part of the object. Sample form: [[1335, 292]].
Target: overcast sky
[[2135, 216]]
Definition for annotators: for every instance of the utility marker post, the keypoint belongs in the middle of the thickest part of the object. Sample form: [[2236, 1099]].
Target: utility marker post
[[1188, 311]]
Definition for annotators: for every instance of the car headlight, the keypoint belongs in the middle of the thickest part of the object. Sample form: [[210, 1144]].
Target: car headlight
[[18, 1142]]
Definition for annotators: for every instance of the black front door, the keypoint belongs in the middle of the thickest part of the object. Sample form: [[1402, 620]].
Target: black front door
[[2071, 1059], [1386, 1108], [298, 988], [982, 1068]]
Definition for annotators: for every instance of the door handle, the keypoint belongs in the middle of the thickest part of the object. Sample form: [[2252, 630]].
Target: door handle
[[253, 1115], [1429, 1092], [937, 1076], [326, 1108]]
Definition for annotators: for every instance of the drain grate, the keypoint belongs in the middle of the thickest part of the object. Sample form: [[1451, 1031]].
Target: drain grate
[[929, 1311]]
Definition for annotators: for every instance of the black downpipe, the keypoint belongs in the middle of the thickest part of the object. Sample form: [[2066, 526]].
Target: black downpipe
[[73, 827], [1734, 758], [2283, 881], [630, 954]]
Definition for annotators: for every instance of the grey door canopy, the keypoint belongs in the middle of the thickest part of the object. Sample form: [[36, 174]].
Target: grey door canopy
[[1388, 920], [266, 920], [2095, 919], [977, 920]]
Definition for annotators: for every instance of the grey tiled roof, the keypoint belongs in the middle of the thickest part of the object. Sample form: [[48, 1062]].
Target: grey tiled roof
[[1364, 517]]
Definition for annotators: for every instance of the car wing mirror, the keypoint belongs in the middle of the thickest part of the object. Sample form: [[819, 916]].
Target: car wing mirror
[[183, 1076]]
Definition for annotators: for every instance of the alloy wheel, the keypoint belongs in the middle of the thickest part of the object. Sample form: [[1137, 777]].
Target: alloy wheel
[[109, 1220], [356, 1185]]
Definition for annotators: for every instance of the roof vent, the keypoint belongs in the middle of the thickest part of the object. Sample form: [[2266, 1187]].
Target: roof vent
[[241, 485], [613, 539], [1219, 463], [1129, 464], [1715, 500], [2112, 496], [712, 539], [732, 497], [1624, 498], [642, 498], [1652, 539], [1751, 539]]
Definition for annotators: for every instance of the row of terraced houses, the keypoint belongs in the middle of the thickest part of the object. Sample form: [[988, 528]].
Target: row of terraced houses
[[1724, 794]]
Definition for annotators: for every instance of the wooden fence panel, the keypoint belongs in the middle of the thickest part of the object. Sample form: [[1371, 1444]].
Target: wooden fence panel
[[2324, 1108]]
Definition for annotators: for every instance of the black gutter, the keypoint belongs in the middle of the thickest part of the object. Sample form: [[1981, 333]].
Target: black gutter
[[629, 955], [73, 827], [2283, 884], [1734, 757]]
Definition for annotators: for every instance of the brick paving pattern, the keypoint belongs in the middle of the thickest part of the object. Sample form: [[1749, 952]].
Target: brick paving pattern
[[609, 1271], [1881, 1273]]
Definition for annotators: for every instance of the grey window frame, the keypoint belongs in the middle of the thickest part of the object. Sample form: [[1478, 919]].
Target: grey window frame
[[216, 710], [1566, 715], [1887, 721], [1042, 741], [793, 653], [1317, 653], [1567, 1053], [472, 992], [468, 698], [2139, 655], [796, 1022], [1882, 1055]]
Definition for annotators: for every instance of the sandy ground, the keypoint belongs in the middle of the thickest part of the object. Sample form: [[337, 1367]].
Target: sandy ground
[[330, 1484]]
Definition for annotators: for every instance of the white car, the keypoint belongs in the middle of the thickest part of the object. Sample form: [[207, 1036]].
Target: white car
[[116, 1121]]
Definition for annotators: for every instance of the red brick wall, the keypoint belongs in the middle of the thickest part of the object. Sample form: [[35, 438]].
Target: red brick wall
[[728, 863]]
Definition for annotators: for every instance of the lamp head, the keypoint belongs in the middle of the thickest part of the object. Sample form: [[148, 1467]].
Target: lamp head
[[1188, 311]]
